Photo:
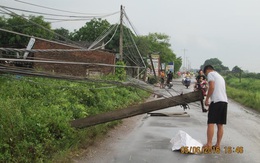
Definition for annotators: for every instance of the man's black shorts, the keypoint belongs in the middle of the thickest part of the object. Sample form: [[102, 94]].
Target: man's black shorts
[[217, 113]]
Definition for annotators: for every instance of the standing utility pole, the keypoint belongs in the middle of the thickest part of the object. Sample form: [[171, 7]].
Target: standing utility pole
[[151, 60], [121, 34], [184, 58]]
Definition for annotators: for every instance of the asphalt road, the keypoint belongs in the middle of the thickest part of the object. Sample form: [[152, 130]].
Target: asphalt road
[[149, 141]]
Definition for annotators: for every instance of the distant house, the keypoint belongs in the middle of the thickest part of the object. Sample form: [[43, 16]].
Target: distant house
[[97, 56]]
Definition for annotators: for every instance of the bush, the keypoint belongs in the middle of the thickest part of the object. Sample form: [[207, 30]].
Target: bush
[[247, 92], [35, 115], [152, 80], [120, 71]]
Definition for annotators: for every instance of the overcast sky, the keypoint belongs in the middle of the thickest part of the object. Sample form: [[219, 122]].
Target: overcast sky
[[225, 29]]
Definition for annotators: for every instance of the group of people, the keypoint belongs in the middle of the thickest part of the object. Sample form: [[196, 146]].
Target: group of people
[[213, 86], [214, 89], [168, 76], [201, 83]]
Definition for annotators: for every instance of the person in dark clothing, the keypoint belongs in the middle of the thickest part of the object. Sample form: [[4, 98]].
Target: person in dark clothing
[[199, 79], [169, 77], [200, 74]]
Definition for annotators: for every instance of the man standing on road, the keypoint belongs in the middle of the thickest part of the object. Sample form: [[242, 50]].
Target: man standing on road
[[218, 107]]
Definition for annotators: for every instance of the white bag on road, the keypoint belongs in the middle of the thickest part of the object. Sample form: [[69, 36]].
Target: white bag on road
[[182, 139]]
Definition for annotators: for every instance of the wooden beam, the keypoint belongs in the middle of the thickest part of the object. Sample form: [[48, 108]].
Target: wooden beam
[[137, 109]]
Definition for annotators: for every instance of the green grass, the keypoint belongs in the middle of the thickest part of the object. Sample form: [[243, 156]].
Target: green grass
[[246, 92], [35, 115]]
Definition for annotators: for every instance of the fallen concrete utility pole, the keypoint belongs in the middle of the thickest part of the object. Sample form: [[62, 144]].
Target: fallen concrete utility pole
[[137, 109]]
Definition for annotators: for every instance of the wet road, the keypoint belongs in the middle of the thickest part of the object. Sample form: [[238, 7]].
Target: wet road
[[150, 139]]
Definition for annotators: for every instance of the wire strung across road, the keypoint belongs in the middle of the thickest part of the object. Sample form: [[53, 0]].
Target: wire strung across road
[[66, 62], [109, 86], [28, 72]]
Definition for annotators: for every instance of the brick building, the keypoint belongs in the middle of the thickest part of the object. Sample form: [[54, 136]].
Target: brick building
[[97, 56]]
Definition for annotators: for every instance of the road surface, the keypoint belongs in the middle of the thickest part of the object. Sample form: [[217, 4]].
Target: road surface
[[148, 140]]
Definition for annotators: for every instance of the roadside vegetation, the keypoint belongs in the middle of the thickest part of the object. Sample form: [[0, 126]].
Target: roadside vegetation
[[35, 115], [246, 92]]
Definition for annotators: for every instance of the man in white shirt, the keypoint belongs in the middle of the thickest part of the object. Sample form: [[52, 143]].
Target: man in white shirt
[[217, 107]]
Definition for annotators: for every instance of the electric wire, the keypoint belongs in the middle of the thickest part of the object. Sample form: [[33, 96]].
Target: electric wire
[[132, 54], [108, 30], [128, 30], [53, 76], [137, 50], [57, 15], [96, 42], [66, 62], [83, 79], [25, 35], [54, 9], [130, 59], [108, 40], [60, 87], [134, 29], [21, 16], [127, 47]]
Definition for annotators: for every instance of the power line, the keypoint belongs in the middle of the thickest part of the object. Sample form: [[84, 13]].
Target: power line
[[136, 48], [24, 71], [63, 37], [25, 35], [66, 39], [13, 70], [58, 86], [57, 15], [42, 50], [56, 9], [66, 62], [134, 29], [97, 41], [131, 53]]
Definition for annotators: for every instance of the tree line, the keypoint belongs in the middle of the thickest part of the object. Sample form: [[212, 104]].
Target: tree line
[[236, 71]]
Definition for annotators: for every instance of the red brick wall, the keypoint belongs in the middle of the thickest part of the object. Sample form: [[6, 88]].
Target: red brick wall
[[77, 56]]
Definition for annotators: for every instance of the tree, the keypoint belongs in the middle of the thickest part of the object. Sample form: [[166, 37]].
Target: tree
[[63, 32], [43, 29], [4, 37], [157, 43], [216, 63], [177, 64], [91, 30], [21, 25], [237, 69]]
